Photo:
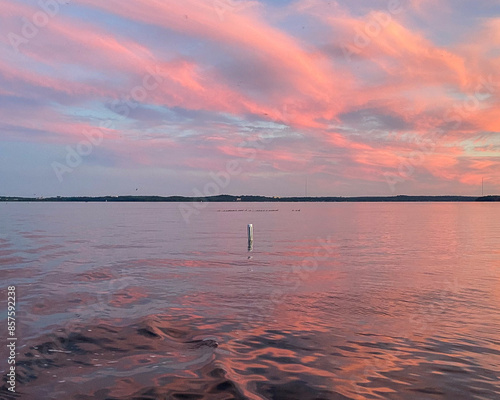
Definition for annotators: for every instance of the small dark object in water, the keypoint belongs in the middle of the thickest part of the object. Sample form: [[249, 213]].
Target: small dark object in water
[[205, 342]]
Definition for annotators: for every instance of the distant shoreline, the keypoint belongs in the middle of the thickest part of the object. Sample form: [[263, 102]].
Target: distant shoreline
[[252, 199]]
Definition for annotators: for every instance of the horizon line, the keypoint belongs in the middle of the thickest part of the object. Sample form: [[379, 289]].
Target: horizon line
[[243, 198]]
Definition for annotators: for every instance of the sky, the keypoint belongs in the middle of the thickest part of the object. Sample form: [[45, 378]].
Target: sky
[[277, 98]]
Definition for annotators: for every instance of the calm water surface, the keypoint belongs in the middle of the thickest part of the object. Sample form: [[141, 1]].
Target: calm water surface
[[335, 301]]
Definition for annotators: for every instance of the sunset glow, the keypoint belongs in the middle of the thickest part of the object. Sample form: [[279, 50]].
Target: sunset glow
[[145, 97]]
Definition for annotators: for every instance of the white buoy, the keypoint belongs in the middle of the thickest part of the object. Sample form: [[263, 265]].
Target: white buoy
[[250, 236]]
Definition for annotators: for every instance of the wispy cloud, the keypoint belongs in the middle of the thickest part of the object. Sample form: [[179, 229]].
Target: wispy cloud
[[346, 90]]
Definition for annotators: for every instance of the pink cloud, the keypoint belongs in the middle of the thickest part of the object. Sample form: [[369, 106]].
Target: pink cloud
[[400, 78]]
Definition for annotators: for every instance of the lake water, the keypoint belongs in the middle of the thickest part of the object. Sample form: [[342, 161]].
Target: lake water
[[335, 301]]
